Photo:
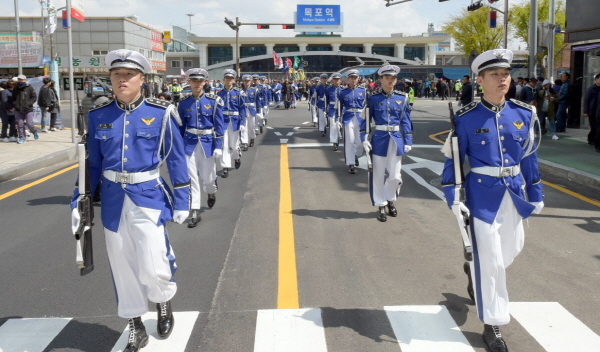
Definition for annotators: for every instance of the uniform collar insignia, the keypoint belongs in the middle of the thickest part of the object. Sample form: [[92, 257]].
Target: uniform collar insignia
[[207, 106], [398, 102], [518, 124], [359, 93], [148, 120]]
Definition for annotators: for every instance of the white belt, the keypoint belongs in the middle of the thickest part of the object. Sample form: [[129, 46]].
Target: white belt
[[355, 110], [131, 177], [197, 131], [249, 104], [496, 171], [232, 113], [387, 128], [333, 104]]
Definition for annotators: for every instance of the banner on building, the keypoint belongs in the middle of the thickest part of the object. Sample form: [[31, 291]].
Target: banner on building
[[157, 41], [31, 55]]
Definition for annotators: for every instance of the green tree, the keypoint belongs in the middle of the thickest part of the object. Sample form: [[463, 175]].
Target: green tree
[[470, 31]]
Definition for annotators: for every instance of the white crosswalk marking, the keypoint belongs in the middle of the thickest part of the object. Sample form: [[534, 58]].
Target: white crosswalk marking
[[290, 330], [182, 330], [31, 335], [426, 329], [554, 327]]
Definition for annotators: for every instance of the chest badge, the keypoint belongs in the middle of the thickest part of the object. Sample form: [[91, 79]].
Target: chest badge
[[360, 94], [398, 102], [148, 120], [518, 124], [207, 106]]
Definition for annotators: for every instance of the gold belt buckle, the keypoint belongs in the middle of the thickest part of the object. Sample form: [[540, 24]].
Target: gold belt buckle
[[507, 171]]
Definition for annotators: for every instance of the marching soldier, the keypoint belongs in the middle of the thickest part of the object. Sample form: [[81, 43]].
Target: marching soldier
[[233, 111], [353, 101], [276, 87], [203, 128], [320, 97], [502, 188], [248, 130], [268, 98], [312, 102], [129, 139], [332, 95], [260, 103], [392, 138]]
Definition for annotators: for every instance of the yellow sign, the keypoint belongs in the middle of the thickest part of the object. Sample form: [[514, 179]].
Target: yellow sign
[[166, 36]]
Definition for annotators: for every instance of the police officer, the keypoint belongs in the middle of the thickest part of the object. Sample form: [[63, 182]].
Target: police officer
[[332, 95], [502, 188], [129, 139], [392, 138], [320, 97], [233, 112], [353, 101], [251, 102], [176, 89], [203, 128]]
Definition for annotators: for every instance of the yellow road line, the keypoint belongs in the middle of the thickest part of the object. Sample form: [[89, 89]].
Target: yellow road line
[[287, 288], [434, 136], [571, 193], [37, 182]]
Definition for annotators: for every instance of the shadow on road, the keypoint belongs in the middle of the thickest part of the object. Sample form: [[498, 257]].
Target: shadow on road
[[333, 214], [62, 200], [86, 337]]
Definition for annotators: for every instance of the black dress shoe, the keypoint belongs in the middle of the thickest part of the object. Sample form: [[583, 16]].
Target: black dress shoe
[[195, 218], [323, 133], [238, 163], [251, 143], [244, 147], [335, 147], [392, 209], [381, 216], [165, 323], [265, 122], [467, 269], [351, 169], [225, 172], [356, 161], [493, 338], [212, 198], [261, 129], [138, 338]]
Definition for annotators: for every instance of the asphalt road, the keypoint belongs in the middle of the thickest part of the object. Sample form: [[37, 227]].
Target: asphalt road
[[362, 285]]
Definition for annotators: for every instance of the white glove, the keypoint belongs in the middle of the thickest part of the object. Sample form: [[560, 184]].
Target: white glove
[[538, 207], [179, 216], [339, 125], [218, 153], [367, 147], [458, 209], [75, 219], [407, 148]]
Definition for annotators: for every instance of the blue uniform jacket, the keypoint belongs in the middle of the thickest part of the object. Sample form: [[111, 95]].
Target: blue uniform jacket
[[353, 98], [260, 97], [390, 110], [311, 92], [126, 138], [202, 113], [320, 95], [251, 100], [491, 138], [332, 96], [233, 100], [277, 92]]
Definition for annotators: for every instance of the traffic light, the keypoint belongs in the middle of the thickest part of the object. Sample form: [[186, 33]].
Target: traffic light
[[288, 26], [493, 1], [230, 23], [443, 0], [262, 26], [475, 6]]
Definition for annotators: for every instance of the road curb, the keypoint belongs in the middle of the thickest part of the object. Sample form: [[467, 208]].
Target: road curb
[[569, 173], [34, 165]]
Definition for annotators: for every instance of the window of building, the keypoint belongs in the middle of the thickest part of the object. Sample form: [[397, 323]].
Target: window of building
[[187, 63], [218, 54], [286, 48], [383, 50], [142, 51], [353, 49], [175, 63], [318, 48], [247, 51], [99, 52], [411, 52]]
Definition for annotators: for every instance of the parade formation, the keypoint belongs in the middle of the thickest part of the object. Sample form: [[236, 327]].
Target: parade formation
[[130, 137]]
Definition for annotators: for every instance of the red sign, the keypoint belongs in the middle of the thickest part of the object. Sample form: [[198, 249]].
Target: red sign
[[159, 65], [77, 13], [157, 41]]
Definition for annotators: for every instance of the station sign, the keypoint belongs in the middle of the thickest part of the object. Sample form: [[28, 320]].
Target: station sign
[[318, 18]]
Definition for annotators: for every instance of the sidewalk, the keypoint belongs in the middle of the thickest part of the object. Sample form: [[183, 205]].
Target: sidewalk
[[20, 159]]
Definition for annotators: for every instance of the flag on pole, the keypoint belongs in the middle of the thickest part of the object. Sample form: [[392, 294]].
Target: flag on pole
[[51, 26], [277, 60], [492, 19], [182, 73], [296, 61], [289, 63], [286, 67]]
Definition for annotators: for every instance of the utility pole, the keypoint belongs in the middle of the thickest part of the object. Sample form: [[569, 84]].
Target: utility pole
[[551, 19], [73, 90], [190, 16], [18, 37], [505, 24], [533, 19]]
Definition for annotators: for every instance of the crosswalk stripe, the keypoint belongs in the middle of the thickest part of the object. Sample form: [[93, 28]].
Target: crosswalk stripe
[[31, 335], [426, 329], [290, 330], [182, 330], [554, 327]]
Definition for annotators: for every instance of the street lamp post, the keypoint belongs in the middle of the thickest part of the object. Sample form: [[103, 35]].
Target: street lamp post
[[18, 37], [236, 27], [190, 16]]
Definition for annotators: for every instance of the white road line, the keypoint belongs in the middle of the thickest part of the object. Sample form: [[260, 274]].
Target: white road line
[[290, 330], [305, 122], [32, 335], [278, 134], [283, 140], [426, 329], [554, 327], [182, 330], [296, 128], [289, 134], [269, 127]]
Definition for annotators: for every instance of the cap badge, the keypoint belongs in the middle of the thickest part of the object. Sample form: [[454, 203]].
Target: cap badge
[[148, 120], [124, 56], [498, 55], [518, 124]]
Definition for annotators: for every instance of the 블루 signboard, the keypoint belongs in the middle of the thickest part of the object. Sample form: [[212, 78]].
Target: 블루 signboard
[[320, 18]]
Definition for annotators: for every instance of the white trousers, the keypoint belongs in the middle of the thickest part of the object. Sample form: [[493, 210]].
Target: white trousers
[[322, 119], [260, 117], [201, 167], [231, 146], [247, 131], [334, 132], [313, 113], [495, 246], [383, 190], [141, 260], [266, 111], [352, 144]]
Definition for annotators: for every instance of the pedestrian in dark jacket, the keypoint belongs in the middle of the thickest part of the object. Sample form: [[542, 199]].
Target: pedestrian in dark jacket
[[46, 103], [466, 93], [7, 113], [591, 110], [23, 98]]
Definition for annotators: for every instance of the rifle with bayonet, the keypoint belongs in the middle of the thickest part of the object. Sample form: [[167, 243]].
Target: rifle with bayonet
[[368, 132], [459, 192]]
